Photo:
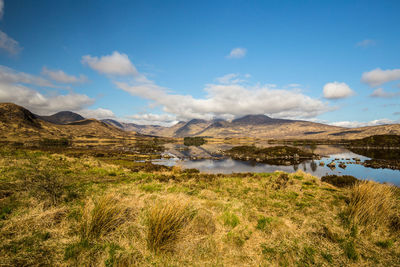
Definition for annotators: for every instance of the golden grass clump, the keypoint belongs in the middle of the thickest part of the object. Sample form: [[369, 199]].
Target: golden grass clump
[[165, 222], [102, 216], [371, 204]]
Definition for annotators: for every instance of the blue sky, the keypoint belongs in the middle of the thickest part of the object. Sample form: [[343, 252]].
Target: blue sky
[[163, 61]]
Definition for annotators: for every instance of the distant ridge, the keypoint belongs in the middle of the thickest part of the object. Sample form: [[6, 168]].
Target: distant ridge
[[18, 121], [62, 117]]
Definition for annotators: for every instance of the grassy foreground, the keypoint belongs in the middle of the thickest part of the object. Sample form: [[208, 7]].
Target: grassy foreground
[[66, 210]]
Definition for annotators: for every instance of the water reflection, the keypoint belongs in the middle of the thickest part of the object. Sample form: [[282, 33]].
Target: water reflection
[[316, 167]]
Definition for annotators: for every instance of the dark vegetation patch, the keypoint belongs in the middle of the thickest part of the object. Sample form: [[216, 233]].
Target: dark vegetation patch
[[194, 141], [382, 164], [377, 153], [279, 155], [154, 145], [309, 133], [339, 180], [62, 142], [344, 133], [385, 140]]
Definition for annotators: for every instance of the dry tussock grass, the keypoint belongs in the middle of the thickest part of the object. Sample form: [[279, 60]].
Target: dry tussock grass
[[371, 204], [102, 216], [166, 221]]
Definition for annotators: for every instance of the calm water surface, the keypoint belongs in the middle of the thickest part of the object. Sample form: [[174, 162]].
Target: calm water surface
[[229, 165]]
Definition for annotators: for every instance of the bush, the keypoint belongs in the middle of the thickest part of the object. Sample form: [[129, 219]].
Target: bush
[[340, 181], [371, 204], [165, 221], [103, 216]]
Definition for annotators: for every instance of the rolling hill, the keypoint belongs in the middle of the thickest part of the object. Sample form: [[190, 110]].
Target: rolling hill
[[19, 124]]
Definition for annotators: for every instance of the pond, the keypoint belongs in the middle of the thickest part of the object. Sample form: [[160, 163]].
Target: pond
[[227, 165]]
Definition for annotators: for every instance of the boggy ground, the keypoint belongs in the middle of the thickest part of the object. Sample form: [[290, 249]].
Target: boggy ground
[[106, 210]]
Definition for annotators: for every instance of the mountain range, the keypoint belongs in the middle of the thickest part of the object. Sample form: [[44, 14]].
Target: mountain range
[[16, 120]]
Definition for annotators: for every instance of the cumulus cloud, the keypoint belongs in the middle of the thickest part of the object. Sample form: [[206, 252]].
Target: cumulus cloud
[[230, 97], [99, 113], [366, 43], [230, 101], [356, 124], [39, 103], [114, 64], [337, 90], [61, 77], [8, 75], [380, 92], [153, 119], [237, 53], [229, 78], [378, 76], [14, 88], [8, 44]]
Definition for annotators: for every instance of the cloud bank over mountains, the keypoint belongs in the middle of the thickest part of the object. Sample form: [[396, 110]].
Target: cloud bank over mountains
[[229, 98]]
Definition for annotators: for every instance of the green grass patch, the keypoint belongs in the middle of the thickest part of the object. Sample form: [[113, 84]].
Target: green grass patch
[[230, 219]]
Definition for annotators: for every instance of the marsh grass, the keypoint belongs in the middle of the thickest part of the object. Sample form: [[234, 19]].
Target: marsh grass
[[165, 222]]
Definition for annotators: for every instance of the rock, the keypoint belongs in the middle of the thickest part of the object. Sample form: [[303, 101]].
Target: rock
[[342, 165]]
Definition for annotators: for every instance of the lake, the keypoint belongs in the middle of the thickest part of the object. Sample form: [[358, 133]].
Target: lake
[[183, 157]]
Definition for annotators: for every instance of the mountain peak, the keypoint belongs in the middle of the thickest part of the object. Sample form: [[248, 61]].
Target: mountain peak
[[63, 117], [254, 119]]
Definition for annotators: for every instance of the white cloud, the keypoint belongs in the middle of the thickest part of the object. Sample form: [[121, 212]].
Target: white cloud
[[153, 119], [14, 89], [114, 64], [61, 77], [229, 101], [356, 124], [380, 92], [294, 85], [337, 90], [237, 53], [229, 98], [366, 43], [99, 113], [1, 9], [378, 76], [39, 103], [229, 78], [8, 75], [8, 44]]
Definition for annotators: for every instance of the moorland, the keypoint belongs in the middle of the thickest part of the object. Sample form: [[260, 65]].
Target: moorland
[[85, 193]]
